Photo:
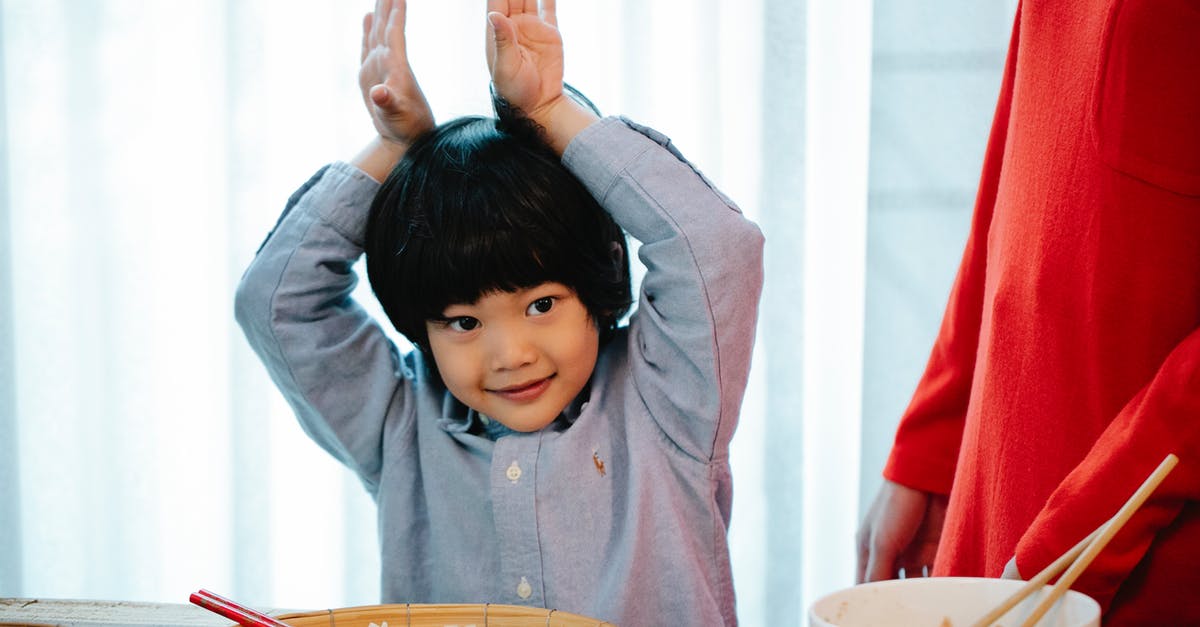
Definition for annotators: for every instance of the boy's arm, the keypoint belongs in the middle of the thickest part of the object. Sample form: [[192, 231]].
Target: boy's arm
[[327, 356], [692, 336], [330, 359], [694, 330]]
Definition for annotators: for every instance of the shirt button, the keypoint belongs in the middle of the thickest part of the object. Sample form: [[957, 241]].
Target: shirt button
[[524, 590], [514, 472]]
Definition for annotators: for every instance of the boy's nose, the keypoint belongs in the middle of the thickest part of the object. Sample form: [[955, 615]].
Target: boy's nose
[[511, 350]]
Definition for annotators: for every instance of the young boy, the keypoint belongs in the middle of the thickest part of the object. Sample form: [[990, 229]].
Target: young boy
[[530, 451]]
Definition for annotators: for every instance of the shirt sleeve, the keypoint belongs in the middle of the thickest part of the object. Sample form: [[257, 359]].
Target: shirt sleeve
[[693, 332], [925, 452], [1160, 419], [329, 358]]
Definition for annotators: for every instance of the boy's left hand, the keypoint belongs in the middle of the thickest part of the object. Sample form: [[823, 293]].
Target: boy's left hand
[[525, 53], [525, 58]]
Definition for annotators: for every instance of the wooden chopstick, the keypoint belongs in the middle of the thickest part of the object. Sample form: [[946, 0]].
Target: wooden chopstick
[[240, 614], [1081, 555], [1039, 579], [1110, 529]]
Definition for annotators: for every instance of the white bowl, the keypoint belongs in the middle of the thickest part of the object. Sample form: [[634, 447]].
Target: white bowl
[[944, 602]]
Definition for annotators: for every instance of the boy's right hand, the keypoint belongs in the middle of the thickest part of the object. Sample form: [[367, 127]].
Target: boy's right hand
[[390, 91]]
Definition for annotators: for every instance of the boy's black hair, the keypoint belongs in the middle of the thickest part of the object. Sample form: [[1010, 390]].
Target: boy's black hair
[[479, 205]]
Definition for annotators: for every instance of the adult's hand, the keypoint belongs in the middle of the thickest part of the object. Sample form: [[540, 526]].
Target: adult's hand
[[901, 531], [1011, 571]]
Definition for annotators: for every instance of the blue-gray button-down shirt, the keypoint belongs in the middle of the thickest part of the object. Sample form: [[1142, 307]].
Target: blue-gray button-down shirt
[[619, 508]]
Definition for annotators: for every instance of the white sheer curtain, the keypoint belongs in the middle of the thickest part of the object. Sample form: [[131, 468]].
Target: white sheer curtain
[[147, 149]]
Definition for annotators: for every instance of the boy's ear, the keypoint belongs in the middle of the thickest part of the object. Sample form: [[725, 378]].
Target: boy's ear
[[617, 255]]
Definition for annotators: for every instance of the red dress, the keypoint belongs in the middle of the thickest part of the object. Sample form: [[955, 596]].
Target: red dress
[[1068, 361]]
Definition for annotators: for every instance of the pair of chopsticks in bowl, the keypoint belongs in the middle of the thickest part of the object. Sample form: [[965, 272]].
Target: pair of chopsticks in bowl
[[1078, 557], [240, 614]]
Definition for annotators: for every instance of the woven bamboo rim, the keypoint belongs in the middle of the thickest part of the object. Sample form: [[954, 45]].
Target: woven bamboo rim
[[443, 615]]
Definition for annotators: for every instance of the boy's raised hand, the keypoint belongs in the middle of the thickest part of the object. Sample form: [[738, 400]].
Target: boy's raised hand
[[525, 58], [390, 91], [525, 53]]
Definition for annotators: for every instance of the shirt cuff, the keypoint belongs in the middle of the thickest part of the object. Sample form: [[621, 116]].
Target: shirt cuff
[[349, 193], [601, 152]]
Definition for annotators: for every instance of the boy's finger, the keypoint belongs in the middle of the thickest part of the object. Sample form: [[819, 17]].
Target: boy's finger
[[395, 27], [501, 32], [497, 6], [489, 37], [530, 7], [549, 15], [366, 36], [375, 22], [381, 96], [503, 55], [496, 22], [382, 8]]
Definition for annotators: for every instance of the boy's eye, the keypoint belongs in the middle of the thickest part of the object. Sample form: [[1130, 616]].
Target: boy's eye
[[541, 306], [462, 323]]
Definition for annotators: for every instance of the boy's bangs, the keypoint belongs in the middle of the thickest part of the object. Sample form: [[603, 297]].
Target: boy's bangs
[[472, 210], [466, 266]]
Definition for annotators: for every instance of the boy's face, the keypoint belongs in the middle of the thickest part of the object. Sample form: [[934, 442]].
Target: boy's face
[[517, 357]]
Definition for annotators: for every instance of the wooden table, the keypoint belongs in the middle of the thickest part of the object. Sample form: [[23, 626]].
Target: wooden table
[[80, 613]]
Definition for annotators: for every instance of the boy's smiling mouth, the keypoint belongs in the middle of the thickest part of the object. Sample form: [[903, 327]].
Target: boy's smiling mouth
[[523, 392]]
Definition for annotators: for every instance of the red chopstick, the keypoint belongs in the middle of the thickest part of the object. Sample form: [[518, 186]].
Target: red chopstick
[[239, 614]]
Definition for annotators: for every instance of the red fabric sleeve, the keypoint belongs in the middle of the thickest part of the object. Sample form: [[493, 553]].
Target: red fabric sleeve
[[1164, 417]]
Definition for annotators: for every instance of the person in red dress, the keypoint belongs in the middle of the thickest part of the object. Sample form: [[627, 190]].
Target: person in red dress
[[1067, 365]]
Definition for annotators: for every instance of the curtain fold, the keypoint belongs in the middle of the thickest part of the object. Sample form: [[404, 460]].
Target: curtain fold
[[10, 498], [778, 479], [837, 116]]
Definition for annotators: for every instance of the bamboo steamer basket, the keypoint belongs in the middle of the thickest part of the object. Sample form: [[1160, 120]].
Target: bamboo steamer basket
[[440, 615]]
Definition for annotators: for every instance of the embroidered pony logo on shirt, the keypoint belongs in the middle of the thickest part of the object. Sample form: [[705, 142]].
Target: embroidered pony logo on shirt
[[599, 463]]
